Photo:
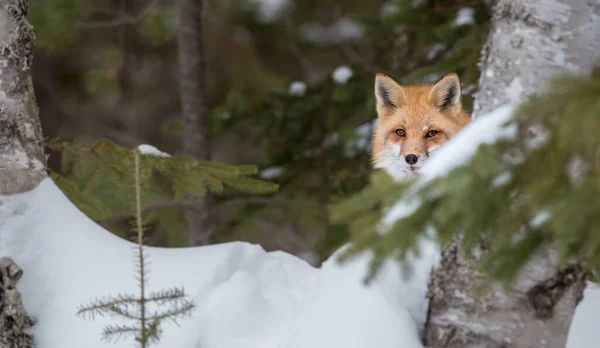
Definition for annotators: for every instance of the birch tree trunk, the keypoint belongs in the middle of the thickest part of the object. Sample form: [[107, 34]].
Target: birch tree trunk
[[530, 41], [22, 159], [200, 222]]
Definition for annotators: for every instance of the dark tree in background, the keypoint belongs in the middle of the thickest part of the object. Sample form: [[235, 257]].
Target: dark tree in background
[[200, 222]]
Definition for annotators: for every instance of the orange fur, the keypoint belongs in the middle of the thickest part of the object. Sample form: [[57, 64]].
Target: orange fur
[[416, 110]]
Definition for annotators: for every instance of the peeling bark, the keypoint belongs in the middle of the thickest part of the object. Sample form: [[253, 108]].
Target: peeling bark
[[200, 225], [530, 41], [15, 324], [22, 160]]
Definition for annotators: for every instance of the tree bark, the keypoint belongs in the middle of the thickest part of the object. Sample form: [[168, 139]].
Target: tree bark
[[530, 41], [200, 223], [22, 159], [15, 324]]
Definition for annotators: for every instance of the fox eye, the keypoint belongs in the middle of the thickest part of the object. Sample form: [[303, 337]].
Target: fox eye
[[400, 132], [431, 133]]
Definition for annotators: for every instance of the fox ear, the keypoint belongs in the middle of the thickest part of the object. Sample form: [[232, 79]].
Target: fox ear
[[389, 94], [446, 92]]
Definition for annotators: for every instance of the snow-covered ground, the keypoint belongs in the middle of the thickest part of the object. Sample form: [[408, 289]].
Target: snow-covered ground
[[244, 296]]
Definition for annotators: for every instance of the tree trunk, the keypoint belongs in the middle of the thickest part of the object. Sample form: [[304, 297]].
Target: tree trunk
[[22, 159], [530, 41], [201, 226]]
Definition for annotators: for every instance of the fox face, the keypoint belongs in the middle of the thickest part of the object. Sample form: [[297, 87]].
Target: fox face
[[414, 121]]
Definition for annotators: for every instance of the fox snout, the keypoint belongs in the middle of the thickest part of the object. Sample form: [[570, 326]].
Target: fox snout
[[411, 159]]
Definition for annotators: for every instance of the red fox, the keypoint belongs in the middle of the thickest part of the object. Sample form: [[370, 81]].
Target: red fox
[[414, 121]]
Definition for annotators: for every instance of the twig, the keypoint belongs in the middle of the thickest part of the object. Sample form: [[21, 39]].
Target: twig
[[123, 20], [140, 235]]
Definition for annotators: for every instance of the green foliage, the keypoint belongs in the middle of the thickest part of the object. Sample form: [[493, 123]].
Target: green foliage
[[55, 21], [321, 138], [103, 78], [158, 26], [536, 188], [98, 181], [147, 329]]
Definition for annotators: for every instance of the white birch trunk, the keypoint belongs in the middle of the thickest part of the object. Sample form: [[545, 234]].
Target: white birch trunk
[[22, 159], [530, 41]]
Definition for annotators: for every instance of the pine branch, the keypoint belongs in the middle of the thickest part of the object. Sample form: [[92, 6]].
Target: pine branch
[[166, 295], [125, 312], [115, 332], [106, 305], [180, 309]]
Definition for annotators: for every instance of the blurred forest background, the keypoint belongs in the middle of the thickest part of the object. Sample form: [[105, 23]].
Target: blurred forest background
[[289, 88]]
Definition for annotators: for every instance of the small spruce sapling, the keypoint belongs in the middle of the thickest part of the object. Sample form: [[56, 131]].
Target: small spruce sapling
[[145, 309]]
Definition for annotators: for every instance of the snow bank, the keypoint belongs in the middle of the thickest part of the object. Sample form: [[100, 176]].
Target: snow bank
[[245, 297]]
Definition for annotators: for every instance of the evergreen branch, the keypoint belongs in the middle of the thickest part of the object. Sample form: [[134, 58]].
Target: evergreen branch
[[166, 295], [125, 312], [179, 309], [105, 306], [119, 331]]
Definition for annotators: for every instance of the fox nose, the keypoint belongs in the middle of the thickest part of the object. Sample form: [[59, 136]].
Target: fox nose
[[411, 159]]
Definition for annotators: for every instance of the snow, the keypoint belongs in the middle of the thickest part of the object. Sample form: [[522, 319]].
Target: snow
[[539, 219], [244, 296], [584, 327], [389, 9], [298, 88], [465, 16], [577, 168], [434, 51], [271, 173], [502, 179], [342, 74], [270, 11], [343, 30], [361, 142], [152, 151]]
